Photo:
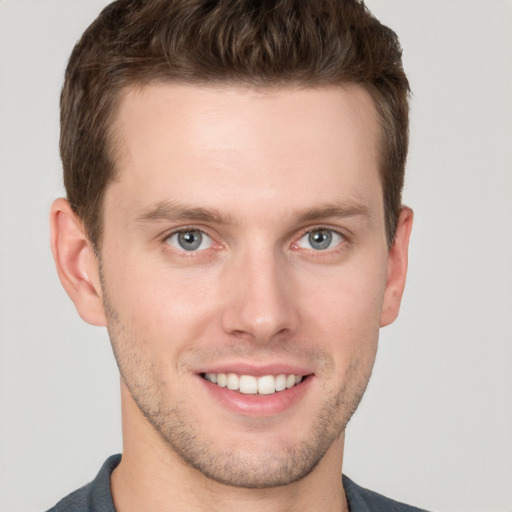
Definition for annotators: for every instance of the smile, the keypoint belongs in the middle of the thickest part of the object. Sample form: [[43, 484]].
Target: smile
[[251, 385]]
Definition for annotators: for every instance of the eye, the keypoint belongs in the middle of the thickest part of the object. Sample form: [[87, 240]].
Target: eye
[[320, 239], [190, 240]]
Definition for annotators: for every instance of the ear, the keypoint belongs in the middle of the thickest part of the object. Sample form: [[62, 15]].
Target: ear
[[397, 268], [77, 264]]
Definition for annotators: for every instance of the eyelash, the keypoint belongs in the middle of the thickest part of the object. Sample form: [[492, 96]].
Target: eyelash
[[184, 253], [187, 254], [344, 237]]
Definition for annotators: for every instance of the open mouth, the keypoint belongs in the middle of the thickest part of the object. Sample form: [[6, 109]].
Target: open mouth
[[251, 385]]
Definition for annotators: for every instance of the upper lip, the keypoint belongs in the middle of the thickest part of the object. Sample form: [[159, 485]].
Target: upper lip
[[257, 370]]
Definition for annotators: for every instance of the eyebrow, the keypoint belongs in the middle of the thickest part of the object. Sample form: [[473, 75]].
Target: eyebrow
[[171, 211], [341, 209]]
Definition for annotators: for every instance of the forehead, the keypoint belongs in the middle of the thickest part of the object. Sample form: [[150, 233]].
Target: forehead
[[207, 145]]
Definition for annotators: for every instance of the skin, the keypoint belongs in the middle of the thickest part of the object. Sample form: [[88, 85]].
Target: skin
[[256, 171]]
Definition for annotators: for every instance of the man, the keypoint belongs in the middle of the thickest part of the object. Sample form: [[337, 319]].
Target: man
[[233, 216]]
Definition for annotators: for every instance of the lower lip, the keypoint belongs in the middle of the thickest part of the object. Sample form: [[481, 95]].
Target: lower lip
[[258, 405]]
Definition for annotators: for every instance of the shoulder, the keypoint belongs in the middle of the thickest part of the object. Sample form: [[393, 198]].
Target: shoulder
[[74, 502], [364, 500], [93, 497]]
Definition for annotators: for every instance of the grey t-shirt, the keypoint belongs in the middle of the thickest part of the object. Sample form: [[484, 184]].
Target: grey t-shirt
[[96, 496]]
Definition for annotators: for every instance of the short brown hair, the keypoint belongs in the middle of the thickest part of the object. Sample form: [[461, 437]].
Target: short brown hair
[[260, 43]]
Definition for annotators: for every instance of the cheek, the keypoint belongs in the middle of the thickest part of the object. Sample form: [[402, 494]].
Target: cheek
[[162, 306], [170, 310], [343, 306]]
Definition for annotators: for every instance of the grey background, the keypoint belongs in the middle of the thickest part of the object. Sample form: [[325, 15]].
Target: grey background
[[435, 427]]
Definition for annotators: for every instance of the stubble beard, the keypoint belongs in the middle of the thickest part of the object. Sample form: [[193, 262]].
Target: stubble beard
[[272, 467]]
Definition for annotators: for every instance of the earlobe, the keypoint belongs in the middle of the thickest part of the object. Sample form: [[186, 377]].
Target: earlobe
[[77, 265], [397, 268]]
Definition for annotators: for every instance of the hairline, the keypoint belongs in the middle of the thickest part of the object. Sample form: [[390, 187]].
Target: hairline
[[113, 140]]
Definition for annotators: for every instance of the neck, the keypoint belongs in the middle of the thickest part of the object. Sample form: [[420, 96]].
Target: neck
[[152, 477]]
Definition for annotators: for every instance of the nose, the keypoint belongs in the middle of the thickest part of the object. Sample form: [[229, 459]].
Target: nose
[[259, 303]]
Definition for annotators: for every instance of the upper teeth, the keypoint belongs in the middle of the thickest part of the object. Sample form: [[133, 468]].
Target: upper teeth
[[250, 385]]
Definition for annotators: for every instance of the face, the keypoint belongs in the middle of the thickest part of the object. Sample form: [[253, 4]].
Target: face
[[244, 269]]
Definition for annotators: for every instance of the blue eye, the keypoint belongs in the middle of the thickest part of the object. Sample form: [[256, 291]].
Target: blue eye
[[320, 239], [190, 240]]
